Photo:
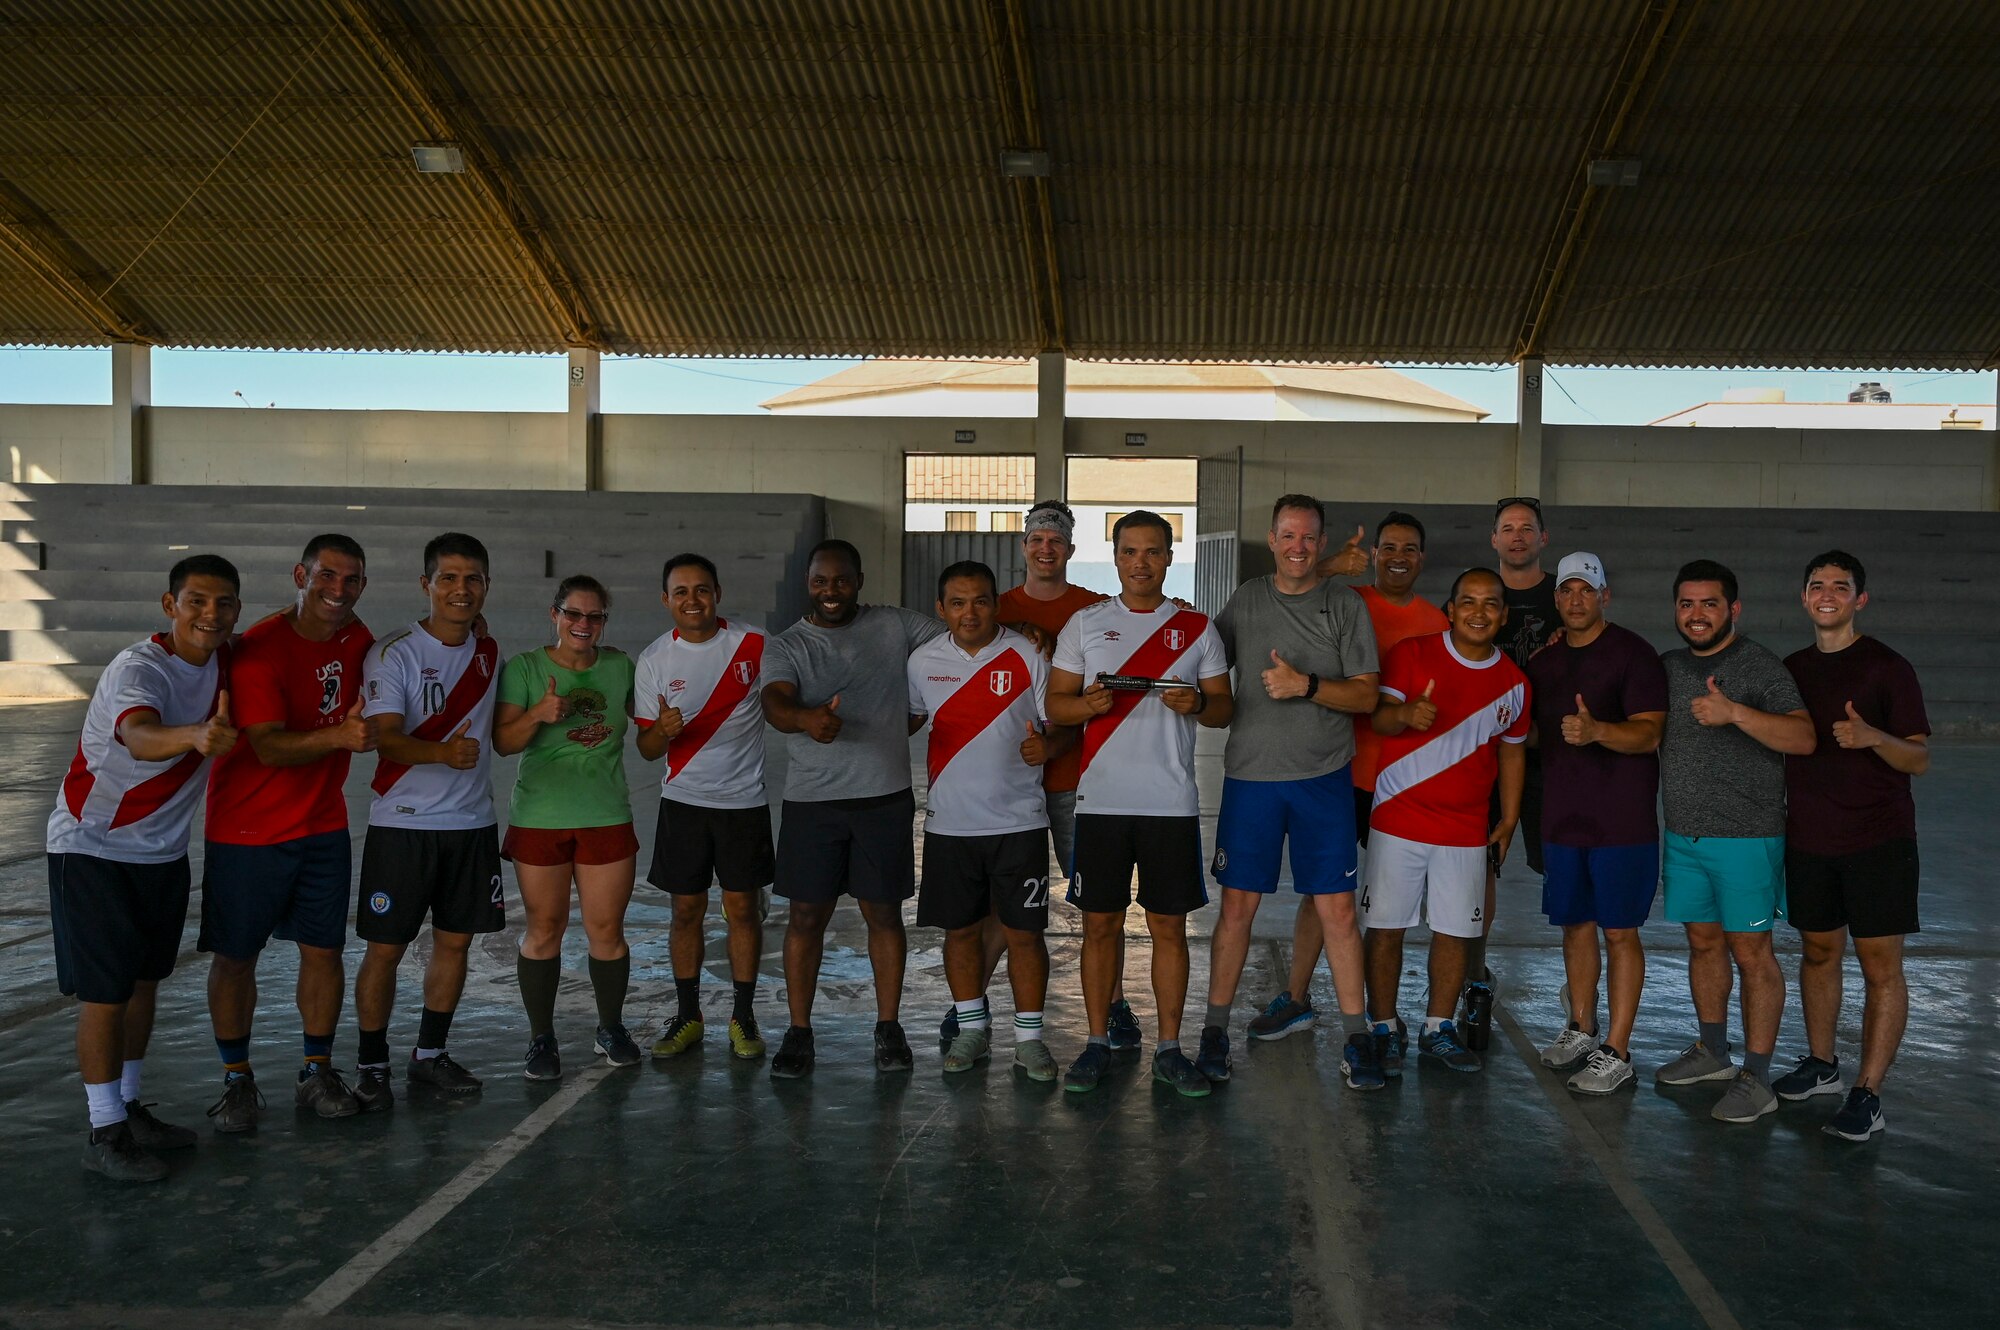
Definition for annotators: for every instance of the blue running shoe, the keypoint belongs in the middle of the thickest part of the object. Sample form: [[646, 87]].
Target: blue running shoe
[[1360, 1063], [1124, 1028], [1213, 1060], [1442, 1044], [1172, 1067], [1859, 1118], [1088, 1069], [1390, 1046], [1283, 1017]]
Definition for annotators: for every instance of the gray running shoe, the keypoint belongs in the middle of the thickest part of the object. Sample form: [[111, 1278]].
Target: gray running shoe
[[1032, 1056], [1746, 1100], [1604, 1073], [1696, 1063], [326, 1094], [1811, 1077], [1570, 1049], [153, 1134], [442, 1075], [1442, 1044], [112, 1152], [237, 1109], [968, 1048]]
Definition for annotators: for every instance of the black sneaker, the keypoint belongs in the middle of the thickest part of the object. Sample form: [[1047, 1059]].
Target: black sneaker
[[442, 1075], [947, 1029], [153, 1134], [795, 1054], [1859, 1118], [1476, 1016], [1212, 1061], [372, 1090], [615, 1046], [1810, 1077], [544, 1063], [1123, 1030], [892, 1050], [237, 1109], [113, 1152], [322, 1091]]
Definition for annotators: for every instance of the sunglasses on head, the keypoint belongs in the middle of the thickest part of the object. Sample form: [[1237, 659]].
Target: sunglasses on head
[[1525, 500]]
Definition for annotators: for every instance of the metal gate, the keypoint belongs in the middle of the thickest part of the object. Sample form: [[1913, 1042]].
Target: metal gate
[[1218, 529], [928, 553]]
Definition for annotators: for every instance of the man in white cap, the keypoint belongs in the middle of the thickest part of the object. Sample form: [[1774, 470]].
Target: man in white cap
[[1600, 705]]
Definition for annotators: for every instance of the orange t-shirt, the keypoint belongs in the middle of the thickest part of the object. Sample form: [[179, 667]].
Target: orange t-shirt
[[1017, 606], [1392, 623]]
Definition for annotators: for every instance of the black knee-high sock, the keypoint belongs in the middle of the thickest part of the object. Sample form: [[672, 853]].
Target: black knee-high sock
[[608, 981], [539, 981]]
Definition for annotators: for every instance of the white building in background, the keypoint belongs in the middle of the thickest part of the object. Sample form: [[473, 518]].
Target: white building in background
[[1766, 408]]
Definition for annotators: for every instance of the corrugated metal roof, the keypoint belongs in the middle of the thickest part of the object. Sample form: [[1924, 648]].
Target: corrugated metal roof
[[1263, 180]]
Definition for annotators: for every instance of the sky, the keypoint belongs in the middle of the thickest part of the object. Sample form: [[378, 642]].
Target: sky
[[392, 381]]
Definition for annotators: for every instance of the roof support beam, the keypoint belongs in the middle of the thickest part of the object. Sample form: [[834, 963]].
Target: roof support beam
[[1014, 83], [384, 32], [28, 235]]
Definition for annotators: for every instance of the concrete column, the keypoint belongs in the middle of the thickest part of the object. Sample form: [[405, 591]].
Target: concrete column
[[131, 399], [1051, 426], [1528, 474], [583, 459]]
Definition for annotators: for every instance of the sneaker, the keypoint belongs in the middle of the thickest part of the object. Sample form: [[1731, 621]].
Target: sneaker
[[1173, 1068], [1476, 1014], [372, 1089], [322, 1091], [948, 1029], [1604, 1073], [1695, 1064], [1569, 1050], [795, 1054], [1213, 1059], [1124, 1029], [892, 1047], [967, 1051], [1442, 1044], [1088, 1069], [1746, 1100], [680, 1035], [615, 1046], [1032, 1057], [1811, 1077], [744, 1039], [153, 1134], [544, 1062], [1391, 1045], [113, 1152], [1859, 1118], [237, 1109], [1283, 1017], [1361, 1064], [442, 1074]]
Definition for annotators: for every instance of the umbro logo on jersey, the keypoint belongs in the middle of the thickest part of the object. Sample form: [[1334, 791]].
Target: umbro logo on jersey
[[1001, 682], [430, 673], [1111, 634], [677, 685], [1174, 638], [744, 671]]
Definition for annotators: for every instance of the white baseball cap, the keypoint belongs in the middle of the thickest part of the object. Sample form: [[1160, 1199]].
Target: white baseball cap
[[1583, 565]]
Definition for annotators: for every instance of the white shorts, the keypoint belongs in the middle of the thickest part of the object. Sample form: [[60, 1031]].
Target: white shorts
[[1399, 871]]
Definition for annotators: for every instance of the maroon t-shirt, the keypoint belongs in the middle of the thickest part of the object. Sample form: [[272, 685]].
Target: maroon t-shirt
[[1843, 800], [1592, 796]]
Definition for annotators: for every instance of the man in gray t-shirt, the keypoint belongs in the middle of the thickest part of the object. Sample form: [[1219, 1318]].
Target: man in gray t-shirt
[[834, 682], [1733, 712], [1304, 653]]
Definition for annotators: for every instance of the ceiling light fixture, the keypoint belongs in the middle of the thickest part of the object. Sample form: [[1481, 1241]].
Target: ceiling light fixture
[[1614, 172], [1024, 163], [438, 158]]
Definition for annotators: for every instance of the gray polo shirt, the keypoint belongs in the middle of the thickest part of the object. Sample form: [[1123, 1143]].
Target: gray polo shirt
[[1324, 631], [863, 663]]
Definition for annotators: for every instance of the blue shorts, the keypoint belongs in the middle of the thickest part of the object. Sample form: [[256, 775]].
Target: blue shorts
[[1259, 816], [1611, 886], [1736, 881], [295, 890]]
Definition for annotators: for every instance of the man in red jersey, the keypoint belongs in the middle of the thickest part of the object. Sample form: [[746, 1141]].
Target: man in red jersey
[[279, 861]]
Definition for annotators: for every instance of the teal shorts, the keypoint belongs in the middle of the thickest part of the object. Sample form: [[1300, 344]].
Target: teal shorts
[[1735, 881]]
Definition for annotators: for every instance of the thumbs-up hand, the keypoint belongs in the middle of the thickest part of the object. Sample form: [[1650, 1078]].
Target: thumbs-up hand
[[670, 722], [461, 751], [1281, 681], [1351, 559], [822, 722], [1423, 712], [216, 736], [354, 734], [551, 706], [1034, 750], [1580, 729], [1854, 732], [1714, 707]]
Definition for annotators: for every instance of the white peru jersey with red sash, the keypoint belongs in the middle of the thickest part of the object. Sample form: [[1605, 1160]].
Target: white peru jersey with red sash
[[1138, 758], [717, 760], [436, 689], [981, 709], [111, 804], [1435, 785]]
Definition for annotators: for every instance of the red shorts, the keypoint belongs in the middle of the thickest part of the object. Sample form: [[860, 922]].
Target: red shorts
[[546, 847]]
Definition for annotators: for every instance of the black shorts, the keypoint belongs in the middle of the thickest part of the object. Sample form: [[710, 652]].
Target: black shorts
[[454, 876], [1528, 834], [1870, 893], [116, 924], [967, 878], [694, 846], [1364, 804], [295, 890], [864, 848], [1165, 850]]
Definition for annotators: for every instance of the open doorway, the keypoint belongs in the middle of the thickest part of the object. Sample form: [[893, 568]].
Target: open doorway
[[1103, 489]]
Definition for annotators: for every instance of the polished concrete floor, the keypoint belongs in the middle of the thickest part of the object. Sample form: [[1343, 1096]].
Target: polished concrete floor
[[701, 1193]]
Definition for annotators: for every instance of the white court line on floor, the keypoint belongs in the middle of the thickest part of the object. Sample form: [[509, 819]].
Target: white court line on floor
[[371, 1260], [1714, 1311]]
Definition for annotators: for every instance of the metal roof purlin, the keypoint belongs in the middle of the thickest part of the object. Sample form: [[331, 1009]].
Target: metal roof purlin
[[57, 260], [384, 32], [1013, 85]]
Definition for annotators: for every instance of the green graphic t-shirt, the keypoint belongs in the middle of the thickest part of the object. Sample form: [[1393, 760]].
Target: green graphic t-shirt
[[572, 772]]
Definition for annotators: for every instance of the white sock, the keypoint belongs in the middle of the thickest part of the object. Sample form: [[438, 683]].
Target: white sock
[[107, 1106], [426, 1054], [128, 1082], [1432, 1024], [1027, 1025], [972, 1013]]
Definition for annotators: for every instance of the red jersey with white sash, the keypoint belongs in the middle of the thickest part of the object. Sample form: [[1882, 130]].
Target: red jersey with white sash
[[435, 689], [981, 708], [111, 804], [1138, 758], [1434, 785], [717, 760]]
